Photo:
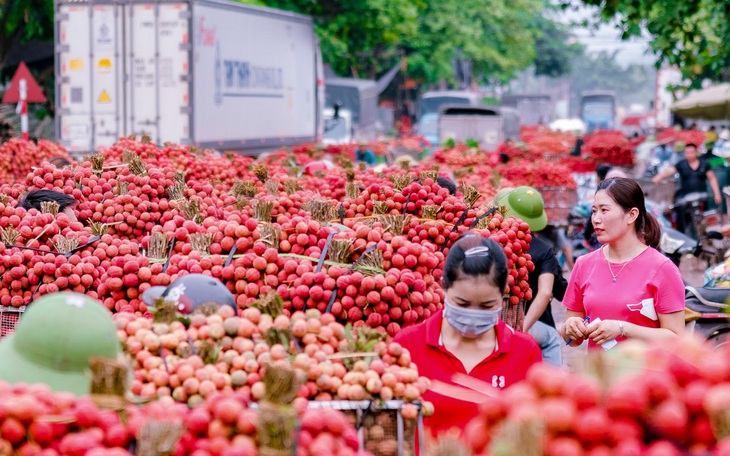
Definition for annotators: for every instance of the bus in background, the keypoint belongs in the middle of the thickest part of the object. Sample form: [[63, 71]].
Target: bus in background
[[598, 110], [429, 104]]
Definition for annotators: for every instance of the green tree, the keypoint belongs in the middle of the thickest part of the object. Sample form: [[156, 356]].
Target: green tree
[[497, 36], [24, 20], [367, 37], [691, 34], [358, 37]]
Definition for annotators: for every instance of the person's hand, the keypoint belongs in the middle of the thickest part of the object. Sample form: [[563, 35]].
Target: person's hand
[[656, 179], [718, 199], [604, 330], [574, 328]]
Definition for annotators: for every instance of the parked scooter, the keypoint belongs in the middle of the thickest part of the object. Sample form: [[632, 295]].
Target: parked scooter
[[673, 243], [706, 313]]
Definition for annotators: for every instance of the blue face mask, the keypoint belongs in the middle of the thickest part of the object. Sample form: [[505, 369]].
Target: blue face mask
[[471, 323]]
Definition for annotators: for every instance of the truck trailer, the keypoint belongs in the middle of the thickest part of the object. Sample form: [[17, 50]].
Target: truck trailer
[[210, 73]]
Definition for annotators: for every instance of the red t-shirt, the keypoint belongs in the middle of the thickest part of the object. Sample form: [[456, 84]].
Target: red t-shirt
[[649, 279], [508, 364]]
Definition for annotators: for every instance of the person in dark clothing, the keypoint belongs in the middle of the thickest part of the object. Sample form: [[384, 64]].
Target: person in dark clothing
[[578, 146], [65, 202], [59, 162], [694, 175], [556, 239], [446, 183], [601, 172], [527, 204], [589, 233]]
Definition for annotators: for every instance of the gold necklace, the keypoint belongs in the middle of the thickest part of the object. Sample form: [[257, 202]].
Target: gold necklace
[[610, 269]]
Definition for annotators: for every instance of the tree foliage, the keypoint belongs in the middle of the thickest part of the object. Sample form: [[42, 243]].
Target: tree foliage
[[498, 37], [554, 50], [691, 34], [357, 37], [24, 20]]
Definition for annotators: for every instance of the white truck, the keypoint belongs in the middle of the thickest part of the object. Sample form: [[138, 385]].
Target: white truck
[[211, 73], [488, 125]]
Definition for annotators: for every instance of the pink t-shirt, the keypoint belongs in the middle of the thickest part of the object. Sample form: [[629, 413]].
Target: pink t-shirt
[[649, 276]]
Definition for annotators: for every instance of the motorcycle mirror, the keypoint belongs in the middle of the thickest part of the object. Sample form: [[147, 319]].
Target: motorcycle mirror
[[714, 235]]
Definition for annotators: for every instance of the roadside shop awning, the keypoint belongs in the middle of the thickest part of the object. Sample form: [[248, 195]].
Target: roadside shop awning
[[712, 103]]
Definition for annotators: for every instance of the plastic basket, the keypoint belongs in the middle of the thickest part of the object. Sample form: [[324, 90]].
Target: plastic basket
[[586, 185], [9, 317], [378, 424], [662, 193], [558, 202]]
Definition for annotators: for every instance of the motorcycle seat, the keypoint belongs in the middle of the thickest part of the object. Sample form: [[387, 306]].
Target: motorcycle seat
[[710, 298], [696, 306], [692, 198]]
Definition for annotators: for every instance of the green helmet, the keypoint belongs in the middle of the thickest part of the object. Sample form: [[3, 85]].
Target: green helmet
[[526, 203], [54, 341], [502, 193]]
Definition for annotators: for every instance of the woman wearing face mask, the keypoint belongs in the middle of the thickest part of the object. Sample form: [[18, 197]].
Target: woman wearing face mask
[[635, 290], [467, 336]]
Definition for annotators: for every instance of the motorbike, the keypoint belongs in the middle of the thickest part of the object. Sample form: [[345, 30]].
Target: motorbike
[[673, 243], [698, 220], [706, 313], [693, 207]]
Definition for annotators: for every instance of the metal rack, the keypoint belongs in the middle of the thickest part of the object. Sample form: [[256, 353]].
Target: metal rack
[[410, 441]]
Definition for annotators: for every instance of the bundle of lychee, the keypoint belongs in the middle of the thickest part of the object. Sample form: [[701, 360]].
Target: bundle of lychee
[[200, 165], [661, 399], [369, 275], [17, 156], [225, 425], [223, 352], [673, 135], [610, 147], [411, 195], [538, 173], [65, 263], [36, 421], [551, 143], [461, 156]]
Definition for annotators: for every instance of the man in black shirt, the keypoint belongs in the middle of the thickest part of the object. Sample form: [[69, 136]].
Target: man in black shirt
[[694, 174], [527, 204]]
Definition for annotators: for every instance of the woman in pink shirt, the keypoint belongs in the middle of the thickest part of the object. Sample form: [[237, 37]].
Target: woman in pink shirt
[[633, 289]]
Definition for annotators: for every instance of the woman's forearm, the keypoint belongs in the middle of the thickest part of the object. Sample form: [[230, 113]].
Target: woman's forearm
[[633, 331], [536, 309]]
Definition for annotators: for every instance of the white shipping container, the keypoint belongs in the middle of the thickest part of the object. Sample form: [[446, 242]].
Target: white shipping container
[[213, 73]]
